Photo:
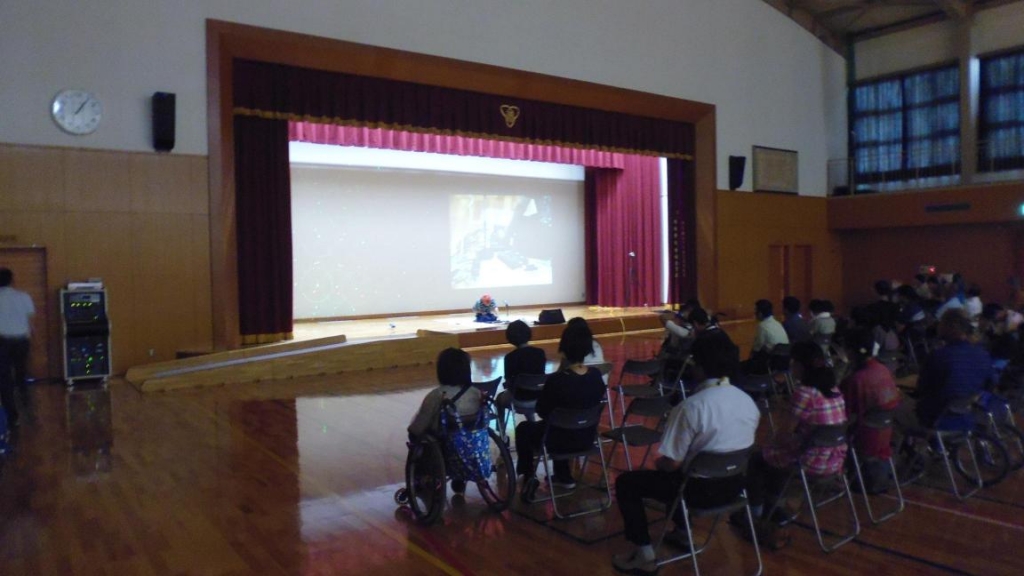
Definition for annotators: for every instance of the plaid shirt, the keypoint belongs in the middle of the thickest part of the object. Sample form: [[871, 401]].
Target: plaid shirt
[[811, 408]]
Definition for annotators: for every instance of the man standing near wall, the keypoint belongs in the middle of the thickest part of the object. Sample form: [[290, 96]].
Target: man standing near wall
[[16, 311]]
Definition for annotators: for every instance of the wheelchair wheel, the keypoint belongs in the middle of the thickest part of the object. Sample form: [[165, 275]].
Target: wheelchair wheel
[[993, 458], [498, 489], [425, 487], [1013, 439]]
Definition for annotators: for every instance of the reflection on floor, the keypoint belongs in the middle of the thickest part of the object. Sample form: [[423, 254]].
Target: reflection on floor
[[298, 478]]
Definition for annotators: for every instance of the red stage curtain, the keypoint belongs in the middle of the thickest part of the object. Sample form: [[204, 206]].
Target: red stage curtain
[[300, 94], [623, 217], [264, 232], [682, 228], [623, 210], [441, 144]]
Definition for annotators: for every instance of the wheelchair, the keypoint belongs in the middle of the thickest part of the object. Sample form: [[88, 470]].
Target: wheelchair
[[431, 463]]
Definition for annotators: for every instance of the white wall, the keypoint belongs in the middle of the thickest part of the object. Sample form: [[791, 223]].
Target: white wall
[[993, 29], [772, 82]]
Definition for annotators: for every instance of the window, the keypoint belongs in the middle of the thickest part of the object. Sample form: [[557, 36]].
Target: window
[[907, 126], [1001, 125]]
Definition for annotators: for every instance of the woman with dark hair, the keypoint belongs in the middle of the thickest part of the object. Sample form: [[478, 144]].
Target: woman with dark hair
[[455, 383], [453, 375], [574, 386], [525, 359], [816, 402]]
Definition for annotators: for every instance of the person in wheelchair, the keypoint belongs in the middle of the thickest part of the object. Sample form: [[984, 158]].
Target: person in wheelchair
[[958, 370], [455, 384], [574, 386], [816, 402]]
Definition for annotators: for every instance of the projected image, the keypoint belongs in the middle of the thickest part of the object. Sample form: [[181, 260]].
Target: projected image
[[501, 240]]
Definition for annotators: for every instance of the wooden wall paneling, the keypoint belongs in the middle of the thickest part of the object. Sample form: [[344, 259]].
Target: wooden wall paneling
[[226, 41], [199, 256], [750, 222], [28, 265], [707, 212], [987, 203], [31, 178], [163, 272], [163, 184], [99, 245], [97, 181], [983, 253]]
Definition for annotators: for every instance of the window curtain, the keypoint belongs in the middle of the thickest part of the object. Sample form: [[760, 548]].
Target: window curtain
[[906, 127], [264, 229], [1001, 125], [623, 211]]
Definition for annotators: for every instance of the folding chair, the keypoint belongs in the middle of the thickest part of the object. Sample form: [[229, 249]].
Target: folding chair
[[526, 383], [825, 341], [639, 368], [830, 436], [638, 434], [758, 387], [877, 420], [576, 419], [716, 466], [779, 365], [489, 390], [943, 438]]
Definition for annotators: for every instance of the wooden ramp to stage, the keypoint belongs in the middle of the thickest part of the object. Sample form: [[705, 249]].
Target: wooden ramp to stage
[[319, 350]]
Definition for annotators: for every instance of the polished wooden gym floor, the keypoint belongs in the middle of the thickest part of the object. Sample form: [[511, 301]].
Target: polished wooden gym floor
[[298, 477]]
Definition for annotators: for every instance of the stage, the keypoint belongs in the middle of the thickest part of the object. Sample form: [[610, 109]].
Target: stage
[[472, 334], [334, 347]]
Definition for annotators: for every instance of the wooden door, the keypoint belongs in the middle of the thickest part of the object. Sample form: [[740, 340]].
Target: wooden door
[[29, 268], [778, 268], [799, 273]]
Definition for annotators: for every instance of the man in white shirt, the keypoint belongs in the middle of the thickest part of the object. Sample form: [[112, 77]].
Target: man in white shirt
[[16, 311], [770, 333], [716, 418]]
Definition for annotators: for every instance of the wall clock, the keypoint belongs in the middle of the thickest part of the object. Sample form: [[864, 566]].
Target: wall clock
[[77, 112]]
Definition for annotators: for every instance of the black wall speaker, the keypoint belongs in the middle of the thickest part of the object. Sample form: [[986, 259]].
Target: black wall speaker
[[163, 121], [736, 166]]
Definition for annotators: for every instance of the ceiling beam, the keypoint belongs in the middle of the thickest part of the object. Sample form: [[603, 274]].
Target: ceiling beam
[[955, 8], [811, 23]]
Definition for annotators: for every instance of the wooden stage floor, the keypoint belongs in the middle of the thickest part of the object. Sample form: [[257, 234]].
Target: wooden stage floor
[[297, 477], [459, 323]]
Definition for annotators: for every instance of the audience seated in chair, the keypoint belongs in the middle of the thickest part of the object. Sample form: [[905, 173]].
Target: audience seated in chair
[[573, 386], [869, 388], [770, 333], [525, 359], [716, 418], [455, 383], [955, 371], [816, 402], [793, 321]]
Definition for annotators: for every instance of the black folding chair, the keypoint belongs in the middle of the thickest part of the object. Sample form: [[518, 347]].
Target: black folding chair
[[877, 420], [759, 388], [825, 436], [650, 369], [578, 419], [945, 439], [710, 465], [638, 434]]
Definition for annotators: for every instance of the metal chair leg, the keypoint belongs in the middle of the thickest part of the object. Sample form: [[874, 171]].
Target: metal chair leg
[[814, 516], [867, 499]]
